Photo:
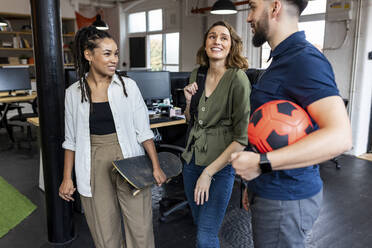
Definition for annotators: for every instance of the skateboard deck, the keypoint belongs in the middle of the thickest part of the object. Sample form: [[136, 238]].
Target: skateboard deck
[[138, 170]]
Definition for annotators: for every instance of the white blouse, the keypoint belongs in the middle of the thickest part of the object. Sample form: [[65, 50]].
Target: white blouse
[[131, 122]]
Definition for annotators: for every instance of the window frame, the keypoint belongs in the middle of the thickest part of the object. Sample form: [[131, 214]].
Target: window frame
[[147, 33]]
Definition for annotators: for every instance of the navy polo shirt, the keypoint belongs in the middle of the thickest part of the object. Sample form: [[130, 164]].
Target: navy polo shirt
[[299, 73]]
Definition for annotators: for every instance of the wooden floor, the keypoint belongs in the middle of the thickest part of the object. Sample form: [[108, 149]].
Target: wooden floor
[[366, 156], [345, 220]]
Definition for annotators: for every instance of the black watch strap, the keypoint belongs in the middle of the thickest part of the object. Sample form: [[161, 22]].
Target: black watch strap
[[265, 164]]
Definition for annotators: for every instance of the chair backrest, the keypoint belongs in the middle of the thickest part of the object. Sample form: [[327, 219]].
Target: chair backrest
[[254, 74]]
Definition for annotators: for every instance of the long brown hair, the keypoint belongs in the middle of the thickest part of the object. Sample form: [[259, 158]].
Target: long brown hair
[[234, 59]]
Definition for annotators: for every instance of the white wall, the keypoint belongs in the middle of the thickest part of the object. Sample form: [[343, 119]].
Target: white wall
[[23, 7], [361, 88], [355, 85], [191, 37]]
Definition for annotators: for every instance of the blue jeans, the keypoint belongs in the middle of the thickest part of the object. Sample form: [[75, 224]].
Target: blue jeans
[[208, 217]]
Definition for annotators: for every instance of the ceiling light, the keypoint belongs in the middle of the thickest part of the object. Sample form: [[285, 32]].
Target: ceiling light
[[99, 24], [3, 22], [223, 7]]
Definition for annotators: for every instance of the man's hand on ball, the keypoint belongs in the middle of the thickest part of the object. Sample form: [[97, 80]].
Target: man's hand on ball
[[246, 164]]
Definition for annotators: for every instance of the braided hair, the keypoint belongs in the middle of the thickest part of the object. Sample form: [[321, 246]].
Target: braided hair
[[87, 38]]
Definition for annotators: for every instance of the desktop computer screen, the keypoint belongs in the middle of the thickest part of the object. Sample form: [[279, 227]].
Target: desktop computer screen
[[14, 79], [154, 85], [178, 81], [70, 77]]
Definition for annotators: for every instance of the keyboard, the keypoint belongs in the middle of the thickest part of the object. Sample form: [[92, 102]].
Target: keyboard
[[164, 119]]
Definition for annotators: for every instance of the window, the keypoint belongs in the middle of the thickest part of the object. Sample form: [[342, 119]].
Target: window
[[314, 31], [265, 53], [315, 7], [312, 21], [137, 22], [171, 59], [155, 20], [156, 52], [162, 48]]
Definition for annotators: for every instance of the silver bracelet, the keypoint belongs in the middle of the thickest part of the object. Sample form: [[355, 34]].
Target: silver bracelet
[[206, 172]]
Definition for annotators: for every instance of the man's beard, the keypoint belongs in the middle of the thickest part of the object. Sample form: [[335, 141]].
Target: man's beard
[[260, 34]]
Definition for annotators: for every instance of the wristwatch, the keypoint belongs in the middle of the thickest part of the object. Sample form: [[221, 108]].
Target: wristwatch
[[265, 164]]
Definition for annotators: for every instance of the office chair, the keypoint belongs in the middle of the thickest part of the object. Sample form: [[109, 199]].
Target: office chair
[[20, 120], [4, 109], [254, 75], [177, 201]]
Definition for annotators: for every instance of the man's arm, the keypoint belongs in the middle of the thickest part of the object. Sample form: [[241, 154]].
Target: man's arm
[[331, 139]]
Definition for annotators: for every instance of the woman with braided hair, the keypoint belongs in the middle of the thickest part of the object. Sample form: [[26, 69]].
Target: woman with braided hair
[[105, 120]]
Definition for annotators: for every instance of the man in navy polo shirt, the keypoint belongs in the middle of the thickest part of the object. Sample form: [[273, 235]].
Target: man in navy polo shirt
[[285, 185]]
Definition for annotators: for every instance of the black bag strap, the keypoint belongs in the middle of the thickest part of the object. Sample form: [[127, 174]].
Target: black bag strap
[[200, 80], [201, 75]]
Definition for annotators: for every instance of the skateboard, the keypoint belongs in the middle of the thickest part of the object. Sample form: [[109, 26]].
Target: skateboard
[[137, 171]]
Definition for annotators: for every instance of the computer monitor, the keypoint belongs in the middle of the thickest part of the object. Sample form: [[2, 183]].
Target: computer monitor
[[154, 85], [178, 81], [70, 77], [12, 79]]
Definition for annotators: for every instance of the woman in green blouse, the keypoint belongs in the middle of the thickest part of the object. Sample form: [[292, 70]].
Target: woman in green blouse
[[219, 129]]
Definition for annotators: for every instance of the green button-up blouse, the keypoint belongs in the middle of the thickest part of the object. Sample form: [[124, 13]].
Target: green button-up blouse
[[222, 118]]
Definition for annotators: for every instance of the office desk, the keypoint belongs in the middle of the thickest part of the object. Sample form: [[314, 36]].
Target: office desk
[[35, 121], [13, 99]]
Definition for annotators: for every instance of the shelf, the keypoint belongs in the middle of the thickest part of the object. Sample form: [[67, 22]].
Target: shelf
[[15, 32], [16, 64], [15, 49], [15, 16], [69, 64], [29, 33], [69, 35], [25, 35], [25, 49]]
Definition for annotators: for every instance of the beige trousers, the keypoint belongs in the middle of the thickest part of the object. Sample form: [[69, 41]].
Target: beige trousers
[[111, 196]]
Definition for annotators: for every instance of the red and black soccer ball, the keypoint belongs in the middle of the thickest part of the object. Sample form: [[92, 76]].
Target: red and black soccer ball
[[277, 124]]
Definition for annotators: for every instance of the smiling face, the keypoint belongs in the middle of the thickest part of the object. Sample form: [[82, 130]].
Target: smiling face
[[218, 43], [104, 58], [258, 17]]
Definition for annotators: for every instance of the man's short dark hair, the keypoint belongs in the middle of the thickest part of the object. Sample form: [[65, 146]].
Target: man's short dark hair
[[300, 4]]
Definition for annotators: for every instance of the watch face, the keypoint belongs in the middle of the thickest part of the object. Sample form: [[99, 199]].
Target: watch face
[[265, 164]]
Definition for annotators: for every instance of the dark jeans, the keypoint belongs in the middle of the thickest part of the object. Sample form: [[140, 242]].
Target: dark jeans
[[208, 217]]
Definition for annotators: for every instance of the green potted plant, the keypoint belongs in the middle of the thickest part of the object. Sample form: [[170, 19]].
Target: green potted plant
[[23, 59]]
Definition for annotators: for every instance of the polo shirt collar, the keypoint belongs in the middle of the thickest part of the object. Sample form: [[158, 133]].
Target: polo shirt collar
[[289, 42]]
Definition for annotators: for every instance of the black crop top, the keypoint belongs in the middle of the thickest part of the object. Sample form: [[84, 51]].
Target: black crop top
[[101, 120]]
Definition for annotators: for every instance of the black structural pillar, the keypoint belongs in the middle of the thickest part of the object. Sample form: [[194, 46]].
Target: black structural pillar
[[46, 27]]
